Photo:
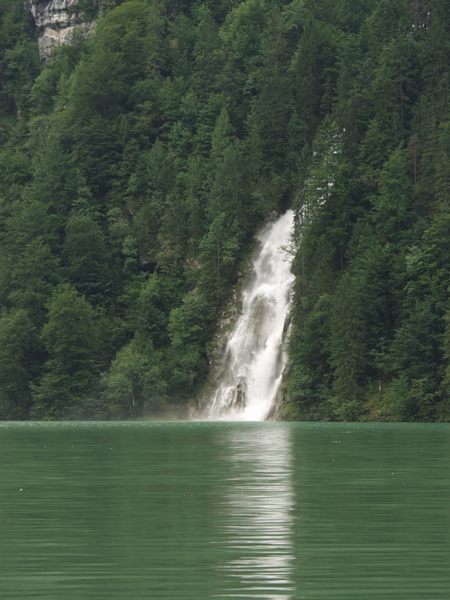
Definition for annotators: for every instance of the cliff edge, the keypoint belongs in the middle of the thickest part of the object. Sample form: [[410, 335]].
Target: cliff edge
[[56, 22]]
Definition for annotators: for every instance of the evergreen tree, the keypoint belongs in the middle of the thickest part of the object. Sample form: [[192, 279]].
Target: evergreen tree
[[138, 163], [70, 337]]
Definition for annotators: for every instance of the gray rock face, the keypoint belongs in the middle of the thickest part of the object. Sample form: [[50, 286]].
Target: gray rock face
[[56, 22]]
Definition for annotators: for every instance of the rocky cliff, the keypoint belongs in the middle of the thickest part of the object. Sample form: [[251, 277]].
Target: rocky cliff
[[56, 21]]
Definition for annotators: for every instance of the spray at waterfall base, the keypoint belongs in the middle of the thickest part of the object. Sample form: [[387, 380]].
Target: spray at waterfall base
[[248, 377]]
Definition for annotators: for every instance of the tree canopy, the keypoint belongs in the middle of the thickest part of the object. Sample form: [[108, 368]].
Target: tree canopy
[[137, 165]]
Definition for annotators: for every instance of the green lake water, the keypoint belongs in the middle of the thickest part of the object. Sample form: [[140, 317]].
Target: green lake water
[[198, 511]]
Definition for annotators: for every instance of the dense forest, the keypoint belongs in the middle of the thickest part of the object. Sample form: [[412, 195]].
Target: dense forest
[[138, 163]]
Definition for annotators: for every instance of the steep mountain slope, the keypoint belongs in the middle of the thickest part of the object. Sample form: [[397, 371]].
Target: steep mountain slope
[[138, 163]]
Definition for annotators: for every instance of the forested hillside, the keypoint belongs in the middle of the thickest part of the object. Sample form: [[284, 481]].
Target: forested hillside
[[372, 314], [137, 165]]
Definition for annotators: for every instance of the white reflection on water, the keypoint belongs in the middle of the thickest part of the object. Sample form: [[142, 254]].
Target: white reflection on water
[[257, 514]]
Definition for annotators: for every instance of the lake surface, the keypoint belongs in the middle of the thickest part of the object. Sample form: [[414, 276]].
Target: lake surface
[[196, 511]]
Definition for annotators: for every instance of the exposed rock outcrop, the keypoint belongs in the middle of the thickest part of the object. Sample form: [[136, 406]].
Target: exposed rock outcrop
[[56, 21]]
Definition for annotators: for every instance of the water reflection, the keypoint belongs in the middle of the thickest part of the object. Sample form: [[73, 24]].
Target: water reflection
[[257, 513], [196, 511]]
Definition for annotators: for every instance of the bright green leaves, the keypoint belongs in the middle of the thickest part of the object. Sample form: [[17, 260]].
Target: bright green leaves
[[134, 386], [189, 330]]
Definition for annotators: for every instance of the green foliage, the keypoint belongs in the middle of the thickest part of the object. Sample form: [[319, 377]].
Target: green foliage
[[70, 338], [378, 264], [138, 164], [86, 258], [134, 385], [150, 313], [18, 343], [189, 330], [19, 60]]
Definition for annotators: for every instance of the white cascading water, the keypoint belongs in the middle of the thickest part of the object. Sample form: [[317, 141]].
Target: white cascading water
[[255, 360]]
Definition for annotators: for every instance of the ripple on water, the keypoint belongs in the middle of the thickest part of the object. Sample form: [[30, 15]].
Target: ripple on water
[[191, 511]]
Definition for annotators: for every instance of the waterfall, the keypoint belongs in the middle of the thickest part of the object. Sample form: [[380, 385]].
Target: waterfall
[[254, 359]]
